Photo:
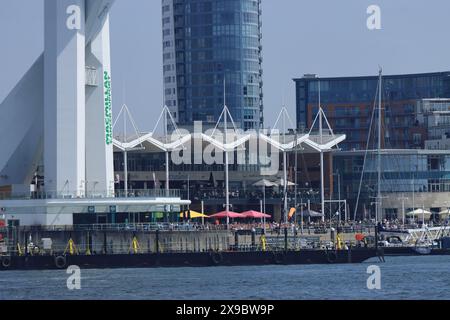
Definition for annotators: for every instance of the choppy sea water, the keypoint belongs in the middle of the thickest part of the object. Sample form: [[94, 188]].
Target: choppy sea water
[[418, 278]]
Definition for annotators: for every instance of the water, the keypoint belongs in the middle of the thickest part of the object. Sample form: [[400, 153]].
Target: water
[[415, 278]]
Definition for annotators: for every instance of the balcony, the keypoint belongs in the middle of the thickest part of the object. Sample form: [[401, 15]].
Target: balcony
[[91, 77]]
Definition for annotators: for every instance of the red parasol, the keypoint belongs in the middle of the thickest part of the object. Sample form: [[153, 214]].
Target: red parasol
[[227, 214], [255, 215]]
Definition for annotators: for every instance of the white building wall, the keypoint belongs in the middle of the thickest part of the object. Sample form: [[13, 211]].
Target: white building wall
[[99, 136], [64, 98], [169, 58], [21, 128], [44, 117]]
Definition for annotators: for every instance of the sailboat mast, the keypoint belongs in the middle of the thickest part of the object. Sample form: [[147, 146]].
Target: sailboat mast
[[322, 169], [379, 203], [227, 190]]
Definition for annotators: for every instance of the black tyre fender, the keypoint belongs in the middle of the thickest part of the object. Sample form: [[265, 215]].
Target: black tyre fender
[[331, 256], [216, 258], [380, 254], [6, 262], [278, 257], [61, 262]]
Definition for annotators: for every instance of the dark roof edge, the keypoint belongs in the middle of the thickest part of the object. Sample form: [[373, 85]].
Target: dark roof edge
[[375, 77]]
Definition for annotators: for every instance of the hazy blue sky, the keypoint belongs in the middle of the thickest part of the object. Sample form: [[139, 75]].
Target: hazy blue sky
[[326, 37]]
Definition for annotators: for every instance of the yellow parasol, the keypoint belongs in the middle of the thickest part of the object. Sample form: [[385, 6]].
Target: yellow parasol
[[194, 215]]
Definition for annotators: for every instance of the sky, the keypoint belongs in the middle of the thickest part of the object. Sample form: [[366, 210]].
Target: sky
[[325, 37]]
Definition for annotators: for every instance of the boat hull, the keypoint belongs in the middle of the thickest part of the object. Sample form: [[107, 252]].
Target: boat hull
[[203, 259], [414, 251]]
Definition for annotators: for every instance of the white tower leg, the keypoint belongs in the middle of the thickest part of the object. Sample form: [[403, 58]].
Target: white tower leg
[[64, 97], [99, 145]]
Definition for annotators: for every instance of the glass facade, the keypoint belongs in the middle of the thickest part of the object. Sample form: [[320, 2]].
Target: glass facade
[[207, 42], [349, 102], [421, 171], [155, 162]]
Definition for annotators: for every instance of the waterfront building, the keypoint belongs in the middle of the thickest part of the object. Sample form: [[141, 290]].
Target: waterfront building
[[414, 120], [207, 43], [434, 114], [204, 184], [348, 103], [411, 179], [57, 128]]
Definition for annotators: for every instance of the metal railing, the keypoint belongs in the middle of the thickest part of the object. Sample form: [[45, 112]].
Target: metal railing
[[170, 245], [132, 227], [118, 194], [250, 193]]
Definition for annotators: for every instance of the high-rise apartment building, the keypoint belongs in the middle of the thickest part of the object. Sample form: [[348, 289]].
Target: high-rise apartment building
[[207, 43]]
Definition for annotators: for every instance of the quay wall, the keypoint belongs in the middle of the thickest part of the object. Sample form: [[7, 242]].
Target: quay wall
[[122, 241]]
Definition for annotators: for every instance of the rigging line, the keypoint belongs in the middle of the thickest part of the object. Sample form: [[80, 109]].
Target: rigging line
[[159, 120], [283, 114], [308, 177], [366, 152], [314, 122], [232, 120], [388, 144], [217, 124], [289, 118], [118, 116], [392, 184], [328, 124], [385, 129], [278, 118], [172, 120], [133, 123]]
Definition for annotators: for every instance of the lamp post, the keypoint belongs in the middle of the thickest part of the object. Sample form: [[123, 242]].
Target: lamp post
[[339, 191], [189, 187], [403, 210], [302, 205], [227, 186], [322, 174]]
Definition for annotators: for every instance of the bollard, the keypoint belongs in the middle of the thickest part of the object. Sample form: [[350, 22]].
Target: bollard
[[157, 241], [26, 244], [253, 239], [333, 236], [285, 239], [89, 244], [105, 244]]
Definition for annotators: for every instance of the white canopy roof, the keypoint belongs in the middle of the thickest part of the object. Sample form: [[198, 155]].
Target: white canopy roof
[[309, 142], [166, 147], [285, 147]]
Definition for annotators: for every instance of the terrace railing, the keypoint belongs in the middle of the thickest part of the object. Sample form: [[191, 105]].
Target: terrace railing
[[118, 194]]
